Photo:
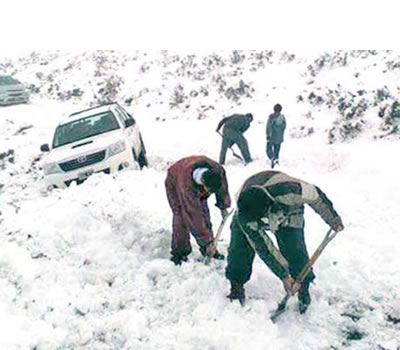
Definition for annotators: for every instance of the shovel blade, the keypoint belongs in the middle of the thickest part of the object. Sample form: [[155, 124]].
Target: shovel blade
[[281, 308]]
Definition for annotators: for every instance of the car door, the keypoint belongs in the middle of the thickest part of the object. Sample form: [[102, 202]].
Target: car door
[[131, 129]]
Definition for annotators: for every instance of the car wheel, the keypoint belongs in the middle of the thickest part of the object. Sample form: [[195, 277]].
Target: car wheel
[[142, 159], [134, 154]]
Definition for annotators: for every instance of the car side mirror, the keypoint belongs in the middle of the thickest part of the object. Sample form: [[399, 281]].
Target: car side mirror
[[129, 122], [45, 148]]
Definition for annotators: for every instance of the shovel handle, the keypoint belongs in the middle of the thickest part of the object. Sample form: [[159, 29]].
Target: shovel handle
[[331, 234]]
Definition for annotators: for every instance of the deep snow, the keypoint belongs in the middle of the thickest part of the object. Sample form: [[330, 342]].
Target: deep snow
[[87, 267]]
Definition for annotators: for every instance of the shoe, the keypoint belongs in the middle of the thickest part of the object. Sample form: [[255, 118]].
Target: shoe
[[237, 293], [178, 259], [304, 298], [217, 255], [303, 306]]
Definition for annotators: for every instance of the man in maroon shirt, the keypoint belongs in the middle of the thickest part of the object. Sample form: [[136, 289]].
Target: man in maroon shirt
[[189, 183]]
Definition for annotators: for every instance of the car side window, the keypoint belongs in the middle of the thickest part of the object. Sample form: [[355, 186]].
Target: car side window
[[128, 119], [127, 115], [120, 116]]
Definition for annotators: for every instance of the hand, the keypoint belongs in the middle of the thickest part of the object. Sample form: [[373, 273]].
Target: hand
[[291, 286], [211, 249], [338, 226], [264, 222]]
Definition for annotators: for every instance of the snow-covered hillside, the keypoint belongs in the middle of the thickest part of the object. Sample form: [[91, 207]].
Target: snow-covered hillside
[[88, 267]]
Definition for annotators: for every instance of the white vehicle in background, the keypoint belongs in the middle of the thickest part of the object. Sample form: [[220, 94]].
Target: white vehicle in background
[[100, 139], [12, 91]]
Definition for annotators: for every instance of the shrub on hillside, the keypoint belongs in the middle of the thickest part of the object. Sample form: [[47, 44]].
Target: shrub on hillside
[[237, 57], [392, 65], [6, 157], [390, 114], [351, 122], [234, 93], [260, 59], [301, 131], [213, 61], [109, 90], [33, 89], [346, 129], [315, 99], [382, 95], [177, 97]]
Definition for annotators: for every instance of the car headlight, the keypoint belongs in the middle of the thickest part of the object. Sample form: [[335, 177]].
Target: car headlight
[[116, 148], [51, 168]]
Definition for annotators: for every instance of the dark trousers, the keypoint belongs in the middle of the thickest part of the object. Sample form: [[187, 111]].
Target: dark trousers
[[241, 255], [273, 150], [230, 138]]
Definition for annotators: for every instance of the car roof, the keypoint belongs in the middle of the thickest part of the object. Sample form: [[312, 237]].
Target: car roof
[[88, 112]]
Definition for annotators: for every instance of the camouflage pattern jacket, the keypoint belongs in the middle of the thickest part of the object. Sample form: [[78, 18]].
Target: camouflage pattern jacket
[[290, 195]]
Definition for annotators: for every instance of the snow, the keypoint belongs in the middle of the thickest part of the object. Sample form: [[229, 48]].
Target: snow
[[88, 267]]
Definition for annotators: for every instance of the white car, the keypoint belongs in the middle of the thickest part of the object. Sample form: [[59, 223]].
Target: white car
[[12, 91], [101, 139]]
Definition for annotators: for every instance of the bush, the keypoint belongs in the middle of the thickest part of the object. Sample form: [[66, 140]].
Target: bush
[[234, 93], [110, 89], [346, 130], [178, 96], [351, 123], [391, 118], [382, 95]]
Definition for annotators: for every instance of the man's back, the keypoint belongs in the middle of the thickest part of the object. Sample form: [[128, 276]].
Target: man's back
[[275, 127], [237, 122]]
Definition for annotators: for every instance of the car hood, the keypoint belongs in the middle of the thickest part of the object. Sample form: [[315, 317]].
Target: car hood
[[12, 87], [84, 147]]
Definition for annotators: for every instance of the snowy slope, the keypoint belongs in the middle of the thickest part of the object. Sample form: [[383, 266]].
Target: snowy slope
[[87, 267]]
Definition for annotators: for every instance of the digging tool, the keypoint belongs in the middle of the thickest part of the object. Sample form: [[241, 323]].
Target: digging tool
[[233, 152], [207, 259], [331, 234]]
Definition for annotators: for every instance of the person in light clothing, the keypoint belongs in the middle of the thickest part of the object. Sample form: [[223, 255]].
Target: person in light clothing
[[275, 130]]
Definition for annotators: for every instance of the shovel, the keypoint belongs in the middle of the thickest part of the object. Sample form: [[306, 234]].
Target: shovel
[[233, 152], [207, 259], [306, 269]]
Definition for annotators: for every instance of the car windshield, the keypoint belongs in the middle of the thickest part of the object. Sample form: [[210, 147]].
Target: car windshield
[[86, 127], [7, 80]]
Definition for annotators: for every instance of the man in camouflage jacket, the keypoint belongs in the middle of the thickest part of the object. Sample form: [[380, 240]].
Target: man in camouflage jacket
[[189, 183], [275, 201]]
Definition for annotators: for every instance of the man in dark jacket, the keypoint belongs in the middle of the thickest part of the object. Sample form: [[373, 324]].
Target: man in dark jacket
[[275, 201], [275, 129], [234, 127], [189, 183]]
